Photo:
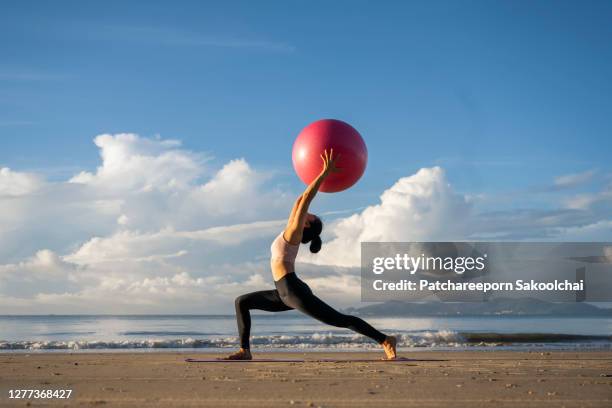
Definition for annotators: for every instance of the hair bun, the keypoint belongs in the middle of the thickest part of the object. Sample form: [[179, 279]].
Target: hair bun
[[315, 244]]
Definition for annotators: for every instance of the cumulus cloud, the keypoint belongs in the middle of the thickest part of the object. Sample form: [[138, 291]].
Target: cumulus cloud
[[152, 222], [425, 207], [44, 263], [130, 162], [421, 207], [147, 229], [157, 228], [17, 184], [235, 189], [141, 184], [45, 269]]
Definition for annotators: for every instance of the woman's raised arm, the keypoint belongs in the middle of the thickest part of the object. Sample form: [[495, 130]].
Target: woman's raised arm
[[293, 232]]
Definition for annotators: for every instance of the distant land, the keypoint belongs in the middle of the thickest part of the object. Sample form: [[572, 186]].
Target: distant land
[[494, 307]]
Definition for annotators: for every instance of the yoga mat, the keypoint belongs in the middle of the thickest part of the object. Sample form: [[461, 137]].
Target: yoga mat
[[283, 360]]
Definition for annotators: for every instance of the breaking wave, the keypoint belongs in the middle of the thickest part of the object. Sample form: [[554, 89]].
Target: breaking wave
[[430, 339]]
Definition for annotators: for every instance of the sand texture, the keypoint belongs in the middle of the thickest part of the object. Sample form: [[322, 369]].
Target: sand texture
[[432, 379]]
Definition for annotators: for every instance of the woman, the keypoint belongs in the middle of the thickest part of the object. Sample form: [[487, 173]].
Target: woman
[[291, 292]]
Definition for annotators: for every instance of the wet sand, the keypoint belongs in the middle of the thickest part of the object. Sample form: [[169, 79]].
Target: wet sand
[[432, 379]]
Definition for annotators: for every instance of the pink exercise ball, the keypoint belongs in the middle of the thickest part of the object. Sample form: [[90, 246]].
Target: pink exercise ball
[[329, 134]]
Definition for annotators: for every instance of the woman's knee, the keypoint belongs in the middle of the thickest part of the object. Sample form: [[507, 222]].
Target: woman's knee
[[241, 302]]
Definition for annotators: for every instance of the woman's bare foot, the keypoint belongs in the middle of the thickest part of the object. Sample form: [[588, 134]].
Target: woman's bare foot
[[390, 346], [242, 354]]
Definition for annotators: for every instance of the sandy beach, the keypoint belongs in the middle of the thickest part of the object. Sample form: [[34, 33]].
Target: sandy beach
[[430, 379]]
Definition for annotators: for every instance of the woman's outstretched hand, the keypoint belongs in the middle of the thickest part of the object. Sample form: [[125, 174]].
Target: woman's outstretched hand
[[329, 162]]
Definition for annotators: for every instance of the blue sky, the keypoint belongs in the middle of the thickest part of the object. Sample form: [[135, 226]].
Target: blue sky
[[507, 95], [483, 120]]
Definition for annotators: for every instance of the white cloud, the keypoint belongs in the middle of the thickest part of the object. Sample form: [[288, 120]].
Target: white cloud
[[156, 229], [141, 185], [235, 189], [575, 179], [424, 207], [589, 201], [44, 262], [45, 270], [124, 246], [130, 162], [16, 184], [421, 207], [123, 219]]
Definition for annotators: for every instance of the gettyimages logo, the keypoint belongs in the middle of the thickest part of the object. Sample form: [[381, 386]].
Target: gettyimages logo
[[412, 264], [478, 271]]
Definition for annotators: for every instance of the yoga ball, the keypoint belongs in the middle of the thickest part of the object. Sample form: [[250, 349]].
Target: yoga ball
[[329, 134]]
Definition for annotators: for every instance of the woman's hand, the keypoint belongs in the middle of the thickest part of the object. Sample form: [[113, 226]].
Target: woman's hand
[[295, 226], [329, 162]]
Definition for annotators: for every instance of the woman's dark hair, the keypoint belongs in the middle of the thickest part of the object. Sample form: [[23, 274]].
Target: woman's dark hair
[[312, 234]]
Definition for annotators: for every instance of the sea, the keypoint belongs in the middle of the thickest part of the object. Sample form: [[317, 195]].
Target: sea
[[292, 331]]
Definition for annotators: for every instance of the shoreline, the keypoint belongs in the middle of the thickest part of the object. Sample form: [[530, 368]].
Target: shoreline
[[542, 378], [481, 348]]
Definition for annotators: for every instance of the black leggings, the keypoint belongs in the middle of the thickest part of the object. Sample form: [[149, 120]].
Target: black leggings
[[292, 293]]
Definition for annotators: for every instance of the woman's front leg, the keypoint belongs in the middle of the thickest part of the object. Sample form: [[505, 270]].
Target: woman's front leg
[[267, 300]]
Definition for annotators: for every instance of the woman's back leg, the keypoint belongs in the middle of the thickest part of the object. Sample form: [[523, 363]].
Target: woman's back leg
[[311, 305]]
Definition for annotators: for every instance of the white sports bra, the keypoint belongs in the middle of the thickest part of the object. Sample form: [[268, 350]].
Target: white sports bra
[[283, 251]]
